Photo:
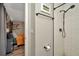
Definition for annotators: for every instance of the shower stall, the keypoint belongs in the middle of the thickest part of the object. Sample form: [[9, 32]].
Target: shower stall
[[54, 29]]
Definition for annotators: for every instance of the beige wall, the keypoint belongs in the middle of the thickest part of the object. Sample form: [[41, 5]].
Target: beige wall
[[18, 27]]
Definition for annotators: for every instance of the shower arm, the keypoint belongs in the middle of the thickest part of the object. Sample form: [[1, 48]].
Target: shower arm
[[68, 9]]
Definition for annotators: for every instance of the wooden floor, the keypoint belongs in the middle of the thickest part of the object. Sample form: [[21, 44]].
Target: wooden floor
[[18, 51]]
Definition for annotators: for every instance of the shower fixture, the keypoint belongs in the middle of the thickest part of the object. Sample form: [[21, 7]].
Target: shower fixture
[[64, 12], [68, 9]]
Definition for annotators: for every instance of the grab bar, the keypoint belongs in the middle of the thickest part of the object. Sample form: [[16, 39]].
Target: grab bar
[[43, 15]]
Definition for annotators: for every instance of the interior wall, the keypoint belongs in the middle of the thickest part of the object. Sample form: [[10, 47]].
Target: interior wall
[[71, 41], [69, 45], [2, 31], [15, 8], [44, 31], [58, 40], [31, 35]]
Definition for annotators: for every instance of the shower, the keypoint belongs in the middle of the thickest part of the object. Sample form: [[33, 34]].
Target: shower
[[64, 12]]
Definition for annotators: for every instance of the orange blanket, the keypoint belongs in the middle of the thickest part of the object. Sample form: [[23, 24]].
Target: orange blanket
[[20, 39]]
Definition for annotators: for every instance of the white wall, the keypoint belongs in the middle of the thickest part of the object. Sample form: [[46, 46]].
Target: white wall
[[72, 31], [16, 11], [58, 41], [69, 45], [43, 31], [33, 8]]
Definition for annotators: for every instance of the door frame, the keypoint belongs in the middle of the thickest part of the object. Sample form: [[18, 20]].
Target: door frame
[[31, 27]]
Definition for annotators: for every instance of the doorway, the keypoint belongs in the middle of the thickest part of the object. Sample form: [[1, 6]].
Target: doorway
[[15, 25]]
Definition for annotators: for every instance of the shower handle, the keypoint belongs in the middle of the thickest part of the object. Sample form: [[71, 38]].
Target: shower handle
[[63, 29]]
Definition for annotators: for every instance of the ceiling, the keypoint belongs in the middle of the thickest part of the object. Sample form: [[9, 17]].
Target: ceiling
[[16, 11]]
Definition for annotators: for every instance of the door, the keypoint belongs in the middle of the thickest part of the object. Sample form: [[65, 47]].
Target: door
[[43, 32]]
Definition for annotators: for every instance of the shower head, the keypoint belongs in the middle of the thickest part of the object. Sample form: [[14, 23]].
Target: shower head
[[72, 6]]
